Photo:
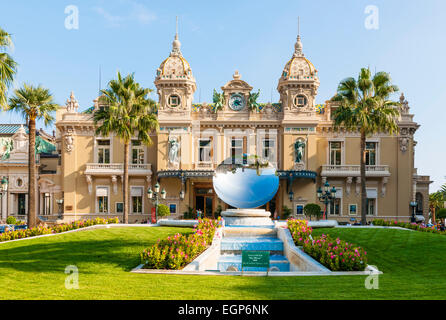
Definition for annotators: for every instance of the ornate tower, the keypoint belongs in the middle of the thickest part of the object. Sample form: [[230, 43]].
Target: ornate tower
[[175, 85], [298, 84]]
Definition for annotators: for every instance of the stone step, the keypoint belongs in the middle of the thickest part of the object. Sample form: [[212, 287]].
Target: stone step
[[234, 263], [249, 232], [251, 243]]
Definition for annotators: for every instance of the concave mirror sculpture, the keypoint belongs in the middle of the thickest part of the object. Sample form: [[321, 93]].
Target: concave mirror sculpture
[[245, 181]]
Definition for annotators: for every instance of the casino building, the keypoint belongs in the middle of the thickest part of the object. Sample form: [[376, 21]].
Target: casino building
[[295, 134]]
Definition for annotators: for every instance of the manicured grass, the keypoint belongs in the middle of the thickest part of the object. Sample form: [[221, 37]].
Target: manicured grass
[[412, 262]]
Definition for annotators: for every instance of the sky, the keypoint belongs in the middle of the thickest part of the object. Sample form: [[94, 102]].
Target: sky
[[254, 37]]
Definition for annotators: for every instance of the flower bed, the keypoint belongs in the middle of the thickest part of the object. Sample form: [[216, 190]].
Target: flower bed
[[179, 250], [407, 225], [37, 231], [335, 254]]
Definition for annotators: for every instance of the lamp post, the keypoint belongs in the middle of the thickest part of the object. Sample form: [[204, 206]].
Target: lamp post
[[326, 196], [182, 194], [60, 203], [4, 189], [413, 205], [155, 195]]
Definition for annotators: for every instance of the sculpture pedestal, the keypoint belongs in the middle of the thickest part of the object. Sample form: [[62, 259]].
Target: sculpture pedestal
[[247, 217]]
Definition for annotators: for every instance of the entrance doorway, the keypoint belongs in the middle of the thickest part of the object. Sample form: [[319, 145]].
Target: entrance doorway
[[21, 197], [204, 199]]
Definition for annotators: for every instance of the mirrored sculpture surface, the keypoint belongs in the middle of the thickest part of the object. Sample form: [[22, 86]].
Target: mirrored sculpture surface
[[246, 181]]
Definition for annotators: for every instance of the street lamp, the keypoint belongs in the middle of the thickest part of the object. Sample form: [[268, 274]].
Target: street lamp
[[413, 204], [155, 195], [182, 194], [326, 196], [291, 196], [60, 203]]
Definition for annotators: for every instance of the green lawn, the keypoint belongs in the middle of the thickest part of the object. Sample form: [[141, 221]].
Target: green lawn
[[412, 262]]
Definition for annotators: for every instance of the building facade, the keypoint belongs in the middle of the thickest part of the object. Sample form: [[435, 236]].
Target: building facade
[[14, 167], [295, 134]]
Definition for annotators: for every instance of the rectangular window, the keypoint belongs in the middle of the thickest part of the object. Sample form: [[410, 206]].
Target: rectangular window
[[172, 208], [335, 207], [371, 205], [236, 150], [352, 209], [136, 197], [299, 209], [137, 152], [268, 148], [103, 204], [335, 153], [119, 207], [102, 199], [370, 153], [204, 150], [103, 151]]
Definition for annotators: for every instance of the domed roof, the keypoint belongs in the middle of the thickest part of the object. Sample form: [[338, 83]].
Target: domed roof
[[175, 65], [299, 67]]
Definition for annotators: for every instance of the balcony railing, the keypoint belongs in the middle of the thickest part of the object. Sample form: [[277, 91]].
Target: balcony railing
[[117, 169], [354, 171]]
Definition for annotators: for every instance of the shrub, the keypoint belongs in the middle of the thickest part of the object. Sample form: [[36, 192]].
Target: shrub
[[300, 231], [177, 251], [37, 231], [335, 254], [163, 210], [11, 220], [312, 209], [286, 212], [189, 213], [441, 214], [407, 225], [218, 211]]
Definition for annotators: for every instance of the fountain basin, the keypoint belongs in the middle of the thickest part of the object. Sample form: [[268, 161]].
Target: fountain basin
[[247, 217]]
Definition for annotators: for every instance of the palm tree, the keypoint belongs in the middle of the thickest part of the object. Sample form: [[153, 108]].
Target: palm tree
[[364, 105], [436, 201], [129, 112], [34, 103], [8, 67]]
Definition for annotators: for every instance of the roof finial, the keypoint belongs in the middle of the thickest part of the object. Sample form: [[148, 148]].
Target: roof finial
[[298, 26], [298, 45], [176, 44]]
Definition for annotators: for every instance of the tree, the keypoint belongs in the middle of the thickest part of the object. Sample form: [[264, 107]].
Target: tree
[[312, 209], [8, 67], [441, 214], [364, 106], [163, 210], [286, 212], [33, 103], [129, 112]]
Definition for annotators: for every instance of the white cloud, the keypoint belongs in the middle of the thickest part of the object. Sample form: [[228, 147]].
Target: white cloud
[[135, 12]]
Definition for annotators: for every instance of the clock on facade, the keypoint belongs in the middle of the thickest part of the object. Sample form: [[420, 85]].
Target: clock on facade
[[236, 102]]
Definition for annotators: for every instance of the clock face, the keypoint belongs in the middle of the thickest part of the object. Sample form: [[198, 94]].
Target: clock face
[[236, 102]]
